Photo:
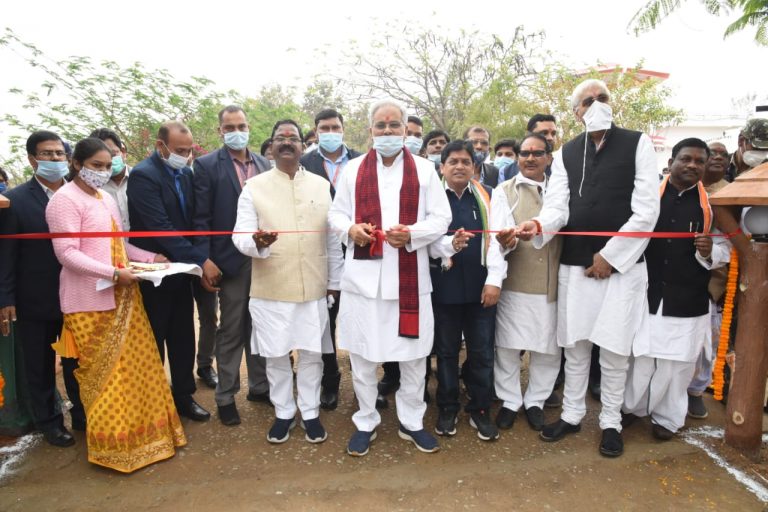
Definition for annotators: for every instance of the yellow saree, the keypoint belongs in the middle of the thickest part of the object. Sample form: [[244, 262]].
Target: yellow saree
[[131, 418]]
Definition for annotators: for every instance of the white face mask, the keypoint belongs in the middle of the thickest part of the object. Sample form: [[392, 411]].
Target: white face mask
[[413, 144], [598, 117], [435, 158], [753, 158], [175, 161], [95, 179]]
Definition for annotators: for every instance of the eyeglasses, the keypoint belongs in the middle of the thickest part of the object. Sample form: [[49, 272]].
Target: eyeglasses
[[393, 125], [51, 154], [589, 100], [291, 140], [536, 154]]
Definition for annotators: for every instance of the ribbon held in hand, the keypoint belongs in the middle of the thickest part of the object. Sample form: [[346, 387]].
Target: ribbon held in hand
[[376, 249]]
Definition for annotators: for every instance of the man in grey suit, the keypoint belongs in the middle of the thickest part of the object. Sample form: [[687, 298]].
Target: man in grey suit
[[218, 180]]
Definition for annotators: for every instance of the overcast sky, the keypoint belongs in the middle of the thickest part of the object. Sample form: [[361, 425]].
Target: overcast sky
[[244, 44]]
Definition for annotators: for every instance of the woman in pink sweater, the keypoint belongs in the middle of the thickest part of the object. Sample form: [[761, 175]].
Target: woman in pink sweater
[[131, 420]]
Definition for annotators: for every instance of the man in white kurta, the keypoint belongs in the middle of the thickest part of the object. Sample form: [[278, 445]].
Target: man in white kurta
[[603, 180], [678, 274], [369, 312], [526, 319], [291, 275]]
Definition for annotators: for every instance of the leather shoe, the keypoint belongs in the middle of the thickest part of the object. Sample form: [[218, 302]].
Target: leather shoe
[[612, 445], [59, 436], [661, 433], [627, 419], [228, 415], [258, 397], [329, 399], [381, 402], [535, 418], [505, 418], [192, 410], [553, 401], [558, 430], [208, 376]]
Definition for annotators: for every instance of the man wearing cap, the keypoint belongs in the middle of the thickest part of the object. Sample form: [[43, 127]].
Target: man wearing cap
[[752, 150]]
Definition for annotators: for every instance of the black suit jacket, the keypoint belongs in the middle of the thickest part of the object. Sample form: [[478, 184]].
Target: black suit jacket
[[29, 270], [313, 162], [216, 191], [490, 175], [153, 205]]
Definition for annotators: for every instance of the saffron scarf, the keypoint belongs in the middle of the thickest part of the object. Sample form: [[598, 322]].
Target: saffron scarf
[[703, 202], [368, 210]]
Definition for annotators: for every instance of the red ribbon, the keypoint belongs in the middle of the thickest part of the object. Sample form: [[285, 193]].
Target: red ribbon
[[377, 234], [377, 246]]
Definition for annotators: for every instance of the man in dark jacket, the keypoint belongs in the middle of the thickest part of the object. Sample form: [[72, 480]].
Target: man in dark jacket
[[218, 180], [29, 288]]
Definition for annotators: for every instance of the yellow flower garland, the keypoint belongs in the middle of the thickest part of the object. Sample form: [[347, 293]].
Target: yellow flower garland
[[718, 378]]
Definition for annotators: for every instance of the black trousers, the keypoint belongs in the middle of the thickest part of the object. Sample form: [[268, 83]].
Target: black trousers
[[35, 337], [331, 374], [170, 309]]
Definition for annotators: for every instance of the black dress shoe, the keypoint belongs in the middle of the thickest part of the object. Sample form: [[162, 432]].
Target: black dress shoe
[[329, 399], [208, 376], [627, 419], [661, 433], [553, 400], [192, 410], [258, 397], [228, 415], [535, 418], [612, 445], [505, 418], [558, 430], [59, 436], [381, 402]]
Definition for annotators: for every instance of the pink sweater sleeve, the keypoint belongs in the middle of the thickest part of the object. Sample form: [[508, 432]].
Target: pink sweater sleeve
[[63, 216]]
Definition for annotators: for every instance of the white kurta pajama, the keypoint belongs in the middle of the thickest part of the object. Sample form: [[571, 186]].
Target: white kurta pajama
[[665, 358], [280, 326], [607, 312], [367, 325], [524, 321]]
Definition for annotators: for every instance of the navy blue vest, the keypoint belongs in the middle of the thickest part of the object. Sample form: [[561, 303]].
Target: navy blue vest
[[605, 203], [463, 283], [674, 274]]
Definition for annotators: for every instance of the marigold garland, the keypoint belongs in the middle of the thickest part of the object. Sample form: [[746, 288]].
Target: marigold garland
[[718, 371]]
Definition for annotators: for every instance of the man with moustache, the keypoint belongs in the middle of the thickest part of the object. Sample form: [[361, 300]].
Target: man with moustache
[[291, 276]]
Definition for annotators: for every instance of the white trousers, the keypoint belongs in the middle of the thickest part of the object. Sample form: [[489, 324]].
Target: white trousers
[[658, 388], [613, 369], [409, 399], [308, 376], [542, 373]]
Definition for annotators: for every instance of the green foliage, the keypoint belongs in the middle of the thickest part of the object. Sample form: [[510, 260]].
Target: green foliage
[[754, 13]]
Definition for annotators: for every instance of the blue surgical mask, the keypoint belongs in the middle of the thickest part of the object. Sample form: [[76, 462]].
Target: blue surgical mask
[[52, 171], [236, 140], [502, 161], [480, 156], [118, 164], [3, 187], [435, 158], [388, 145], [413, 144], [330, 141]]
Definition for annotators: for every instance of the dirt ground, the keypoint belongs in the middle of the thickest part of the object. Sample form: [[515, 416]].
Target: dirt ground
[[234, 468]]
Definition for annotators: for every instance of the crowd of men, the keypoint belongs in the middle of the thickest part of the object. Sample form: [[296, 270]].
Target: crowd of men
[[416, 247]]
